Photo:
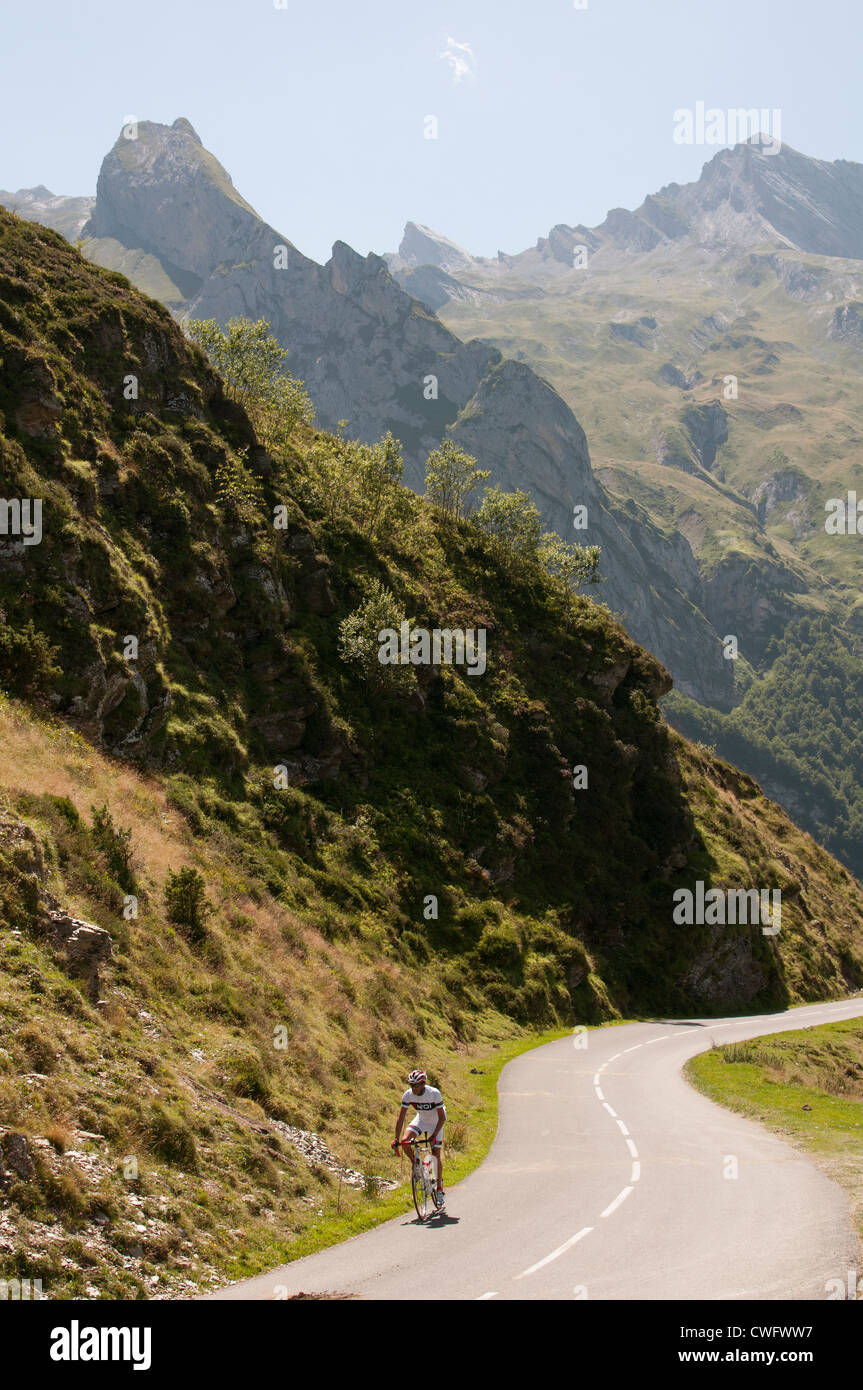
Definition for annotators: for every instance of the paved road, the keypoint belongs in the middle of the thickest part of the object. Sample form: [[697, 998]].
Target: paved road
[[606, 1181]]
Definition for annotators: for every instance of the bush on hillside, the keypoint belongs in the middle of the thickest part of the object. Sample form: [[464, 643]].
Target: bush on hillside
[[451, 476], [27, 658], [186, 903], [359, 641]]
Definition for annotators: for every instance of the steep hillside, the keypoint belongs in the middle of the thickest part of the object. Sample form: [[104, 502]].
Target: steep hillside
[[392, 870], [167, 215], [710, 347]]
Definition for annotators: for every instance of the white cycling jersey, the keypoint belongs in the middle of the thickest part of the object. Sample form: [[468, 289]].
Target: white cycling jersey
[[426, 1105]]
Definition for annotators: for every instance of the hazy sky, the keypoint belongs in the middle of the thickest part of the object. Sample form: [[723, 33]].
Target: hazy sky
[[546, 113]]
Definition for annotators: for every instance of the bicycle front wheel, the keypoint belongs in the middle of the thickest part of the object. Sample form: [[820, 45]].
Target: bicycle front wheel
[[422, 1190]]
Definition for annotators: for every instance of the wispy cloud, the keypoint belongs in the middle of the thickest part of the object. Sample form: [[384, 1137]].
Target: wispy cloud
[[460, 58]]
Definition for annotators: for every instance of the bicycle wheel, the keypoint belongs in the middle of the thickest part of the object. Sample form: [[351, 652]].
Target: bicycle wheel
[[430, 1167], [421, 1187]]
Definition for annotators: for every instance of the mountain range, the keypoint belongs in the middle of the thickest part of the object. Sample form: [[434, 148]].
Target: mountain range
[[166, 214], [706, 345]]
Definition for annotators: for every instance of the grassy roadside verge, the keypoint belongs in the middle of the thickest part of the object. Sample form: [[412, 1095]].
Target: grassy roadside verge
[[806, 1086], [351, 1212]]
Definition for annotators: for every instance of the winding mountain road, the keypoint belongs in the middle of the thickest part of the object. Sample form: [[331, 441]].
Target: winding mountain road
[[607, 1180]]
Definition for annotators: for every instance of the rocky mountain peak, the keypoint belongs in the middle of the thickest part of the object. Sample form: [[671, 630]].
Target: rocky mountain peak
[[749, 195], [814, 205], [185, 125], [422, 246], [160, 190]]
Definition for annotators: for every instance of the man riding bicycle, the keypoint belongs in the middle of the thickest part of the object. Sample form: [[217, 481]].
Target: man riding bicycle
[[429, 1119]]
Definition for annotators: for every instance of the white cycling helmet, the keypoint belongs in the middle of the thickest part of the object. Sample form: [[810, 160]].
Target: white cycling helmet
[[416, 1077]]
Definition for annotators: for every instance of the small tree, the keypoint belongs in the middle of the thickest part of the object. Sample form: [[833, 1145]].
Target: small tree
[[27, 661], [287, 405], [116, 845], [359, 641], [245, 354], [250, 362], [451, 476], [573, 565], [379, 471], [360, 481], [186, 903], [511, 519], [237, 486]]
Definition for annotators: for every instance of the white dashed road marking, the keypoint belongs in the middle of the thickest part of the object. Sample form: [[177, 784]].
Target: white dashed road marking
[[621, 1197], [561, 1249]]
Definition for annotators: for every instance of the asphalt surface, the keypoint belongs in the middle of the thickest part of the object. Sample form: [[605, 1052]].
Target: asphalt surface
[[609, 1179]]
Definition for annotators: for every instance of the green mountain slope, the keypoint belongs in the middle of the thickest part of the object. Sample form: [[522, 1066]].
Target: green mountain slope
[[714, 360], [324, 813]]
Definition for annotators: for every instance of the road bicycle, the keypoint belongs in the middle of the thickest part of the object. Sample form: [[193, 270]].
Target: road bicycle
[[423, 1178]]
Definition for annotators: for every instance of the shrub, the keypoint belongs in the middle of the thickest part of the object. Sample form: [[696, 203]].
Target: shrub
[[359, 635], [247, 1077], [38, 1047], [26, 661], [500, 946], [451, 476], [186, 903], [414, 947], [511, 519], [237, 487], [251, 363], [573, 565], [169, 1136], [116, 845], [245, 354], [361, 482]]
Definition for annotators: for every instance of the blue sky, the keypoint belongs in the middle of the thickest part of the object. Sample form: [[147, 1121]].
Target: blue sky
[[549, 114]]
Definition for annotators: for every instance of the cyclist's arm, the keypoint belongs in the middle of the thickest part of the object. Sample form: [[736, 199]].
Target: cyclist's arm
[[441, 1116], [400, 1122]]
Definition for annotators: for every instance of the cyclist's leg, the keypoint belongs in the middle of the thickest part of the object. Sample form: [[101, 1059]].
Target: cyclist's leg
[[405, 1141], [439, 1157]]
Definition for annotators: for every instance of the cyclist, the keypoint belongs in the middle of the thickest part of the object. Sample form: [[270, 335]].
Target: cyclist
[[429, 1119]]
